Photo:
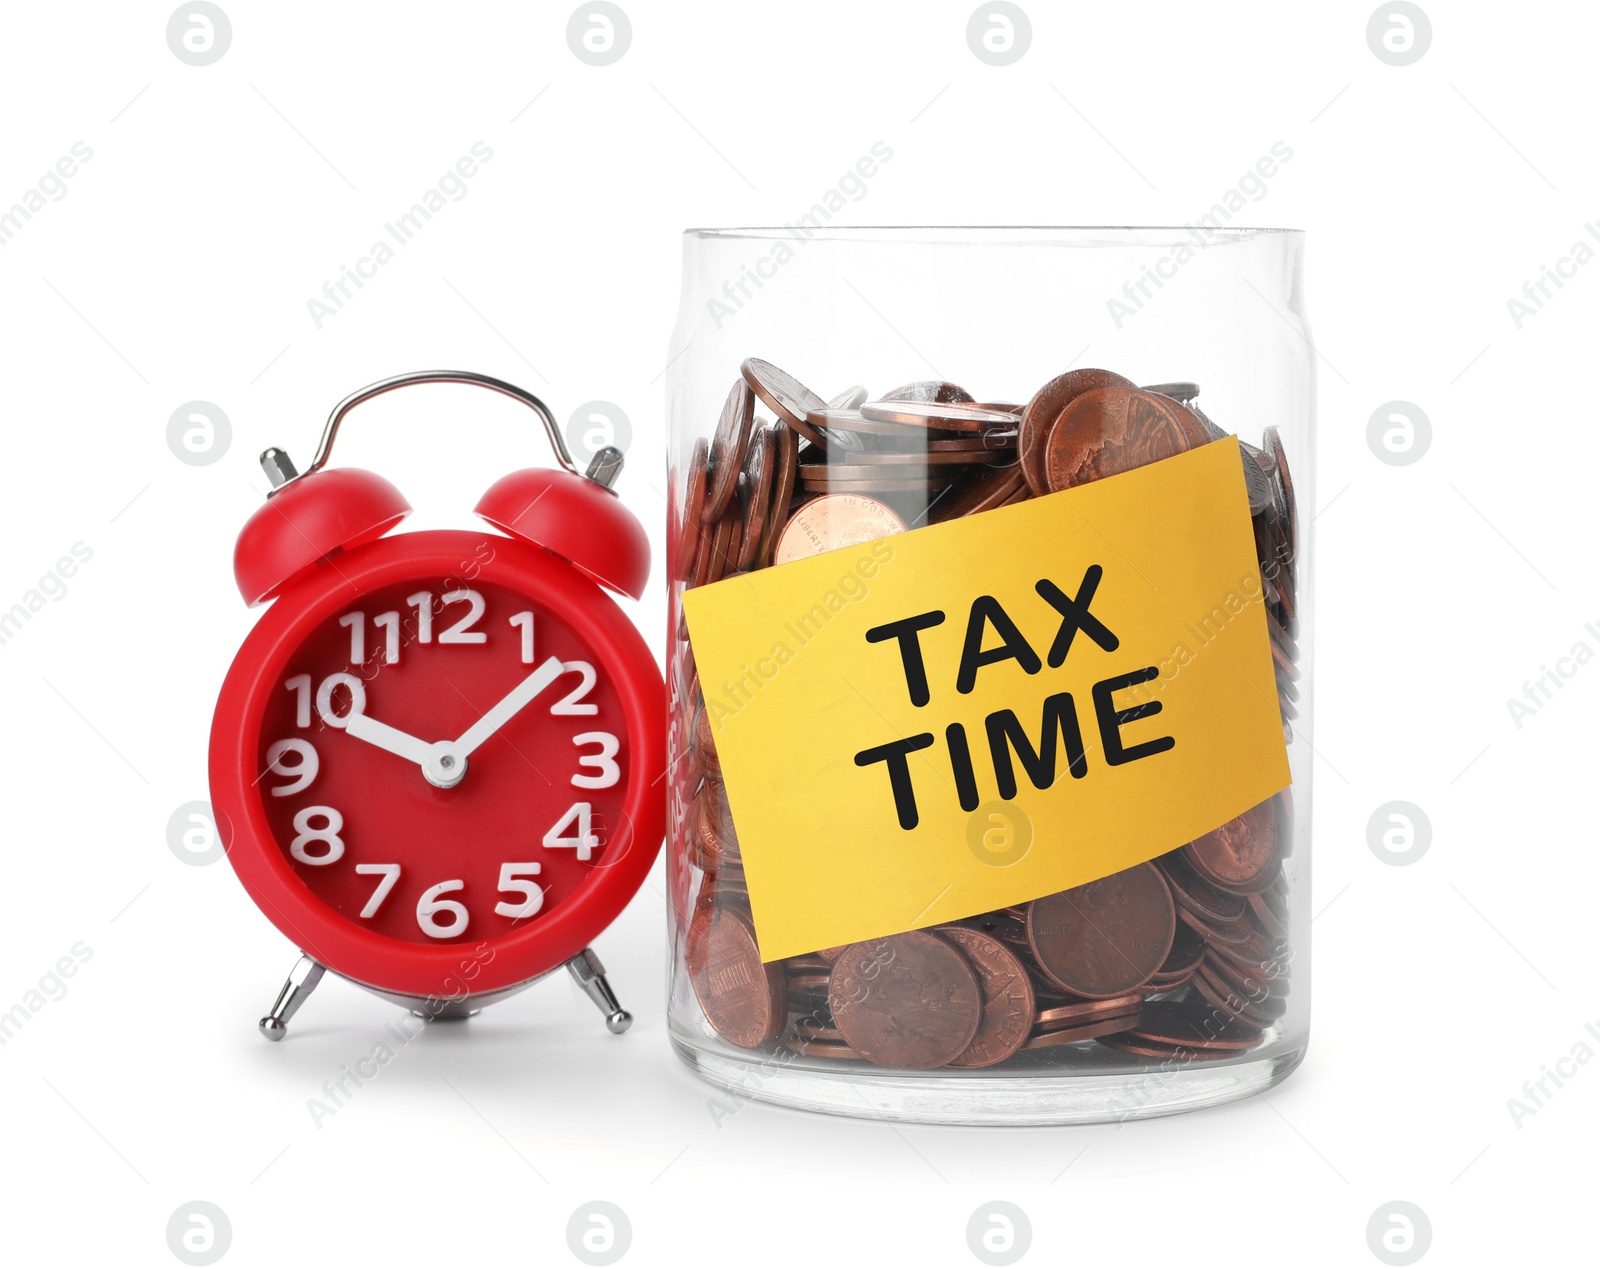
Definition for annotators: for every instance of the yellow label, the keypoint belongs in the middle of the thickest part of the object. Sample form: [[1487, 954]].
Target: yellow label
[[979, 713]]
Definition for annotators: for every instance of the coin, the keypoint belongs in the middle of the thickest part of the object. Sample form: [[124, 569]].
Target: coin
[[1280, 458], [1008, 999], [1078, 1033], [1104, 938], [1194, 892], [727, 449], [742, 999], [723, 550], [1257, 486], [785, 395], [910, 1001], [951, 418], [834, 521], [1108, 431], [1273, 922], [983, 492], [756, 493], [822, 1049], [1188, 950], [1085, 1010], [929, 390], [890, 463], [1229, 1002], [827, 478], [694, 502], [1184, 391], [1239, 853], [1043, 410], [849, 399], [1191, 1026]]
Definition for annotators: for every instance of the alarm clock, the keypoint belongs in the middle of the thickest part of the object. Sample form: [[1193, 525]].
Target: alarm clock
[[437, 758]]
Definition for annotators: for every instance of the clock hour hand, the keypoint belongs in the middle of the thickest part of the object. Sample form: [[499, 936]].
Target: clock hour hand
[[509, 707], [364, 727]]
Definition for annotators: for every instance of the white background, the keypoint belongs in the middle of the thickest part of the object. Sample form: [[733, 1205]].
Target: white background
[[178, 266]]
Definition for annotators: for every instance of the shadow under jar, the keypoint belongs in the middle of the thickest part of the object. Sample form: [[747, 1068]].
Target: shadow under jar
[[835, 387]]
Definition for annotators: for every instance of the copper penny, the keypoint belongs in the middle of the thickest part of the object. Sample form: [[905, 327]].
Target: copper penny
[[1078, 1033], [690, 529], [1240, 852], [724, 549], [950, 418], [785, 469], [1229, 1002], [1008, 999], [1191, 1026], [910, 1001], [828, 480], [1188, 950], [728, 449], [1112, 430], [1182, 391], [1268, 921], [1280, 459], [1194, 892], [1104, 938], [834, 521], [933, 455], [744, 1000], [849, 399], [756, 494], [982, 493], [929, 390], [824, 1049], [1046, 407], [785, 395], [1257, 485], [1086, 1010]]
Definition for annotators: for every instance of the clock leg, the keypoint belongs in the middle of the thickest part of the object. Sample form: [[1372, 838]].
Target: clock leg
[[590, 974], [302, 981]]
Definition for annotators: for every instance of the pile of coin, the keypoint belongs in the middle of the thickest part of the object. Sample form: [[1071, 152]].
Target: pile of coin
[[1181, 959]]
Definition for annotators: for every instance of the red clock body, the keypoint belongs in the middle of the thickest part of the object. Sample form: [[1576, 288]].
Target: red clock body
[[438, 761]]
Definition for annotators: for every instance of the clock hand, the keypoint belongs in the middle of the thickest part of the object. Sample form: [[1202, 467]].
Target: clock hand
[[508, 708], [364, 727]]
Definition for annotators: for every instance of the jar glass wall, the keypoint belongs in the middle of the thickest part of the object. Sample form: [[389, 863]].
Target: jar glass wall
[[833, 387]]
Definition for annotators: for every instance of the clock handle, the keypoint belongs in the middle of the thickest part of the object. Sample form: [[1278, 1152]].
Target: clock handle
[[603, 470]]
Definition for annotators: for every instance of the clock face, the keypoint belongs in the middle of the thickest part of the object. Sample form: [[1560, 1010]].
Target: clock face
[[445, 760]]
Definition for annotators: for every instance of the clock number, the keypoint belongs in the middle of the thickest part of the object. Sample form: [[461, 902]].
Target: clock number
[[389, 623], [513, 880], [389, 874], [357, 623], [328, 835], [301, 772], [430, 905], [462, 631], [524, 620], [604, 762], [422, 601], [571, 702], [300, 685], [584, 841], [358, 699]]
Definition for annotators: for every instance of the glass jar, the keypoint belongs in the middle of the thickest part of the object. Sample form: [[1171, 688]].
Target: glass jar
[[1000, 437]]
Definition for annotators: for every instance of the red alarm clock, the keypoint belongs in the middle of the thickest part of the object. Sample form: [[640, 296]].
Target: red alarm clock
[[438, 756]]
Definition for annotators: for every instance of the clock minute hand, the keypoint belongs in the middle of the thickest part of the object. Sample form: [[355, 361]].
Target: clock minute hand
[[509, 707], [392, 739]]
